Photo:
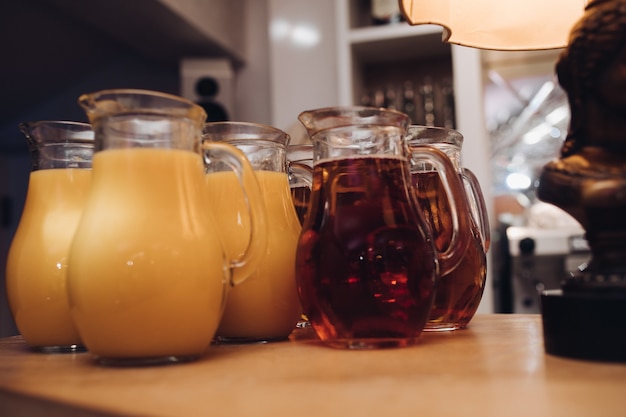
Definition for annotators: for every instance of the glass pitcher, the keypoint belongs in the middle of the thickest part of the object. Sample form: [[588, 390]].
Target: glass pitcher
[[300, 158], [148, 271], [458, 292], [265, 307], [366, 263], [36, 274]]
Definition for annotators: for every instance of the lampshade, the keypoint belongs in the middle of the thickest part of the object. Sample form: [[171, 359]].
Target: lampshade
[[499, 24]]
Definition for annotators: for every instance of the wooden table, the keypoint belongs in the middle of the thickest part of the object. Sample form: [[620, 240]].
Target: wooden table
[[497, 367]]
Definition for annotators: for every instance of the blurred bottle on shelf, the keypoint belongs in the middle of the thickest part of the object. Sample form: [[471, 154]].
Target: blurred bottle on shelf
[[379, 97], [408, 100], [428, 98], [449, 116], [429, 102], [390, 97], [385, 12]]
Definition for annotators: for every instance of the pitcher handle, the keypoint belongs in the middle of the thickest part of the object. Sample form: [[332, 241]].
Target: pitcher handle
[[248, 262], [301, 172], [453, 254], [478, 207]]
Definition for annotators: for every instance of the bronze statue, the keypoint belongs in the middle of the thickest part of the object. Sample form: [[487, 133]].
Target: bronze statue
[[589, 179], [586, 318]]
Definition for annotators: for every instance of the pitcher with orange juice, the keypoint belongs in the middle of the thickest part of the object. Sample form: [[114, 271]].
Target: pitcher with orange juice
[[37, 263], [265, 307], [148, 272]]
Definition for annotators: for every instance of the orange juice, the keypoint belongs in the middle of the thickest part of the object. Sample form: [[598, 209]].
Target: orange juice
[[37, 261], [147, 269], [265, 306]]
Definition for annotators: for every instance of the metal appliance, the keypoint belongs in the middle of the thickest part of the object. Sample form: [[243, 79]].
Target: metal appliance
[[539, 260]]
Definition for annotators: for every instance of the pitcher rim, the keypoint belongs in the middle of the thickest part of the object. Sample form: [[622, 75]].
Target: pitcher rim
[[307, 119], [30, 123], [447, 135], [353, 108], [88, 101], [279, 135], [33, 141], [138, 91]]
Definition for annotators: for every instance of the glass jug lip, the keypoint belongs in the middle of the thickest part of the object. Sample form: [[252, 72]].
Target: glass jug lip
[[300, 153], [428, 135], [325, 118], [300, 147], [233, 131], [38, 133], [131, 100]]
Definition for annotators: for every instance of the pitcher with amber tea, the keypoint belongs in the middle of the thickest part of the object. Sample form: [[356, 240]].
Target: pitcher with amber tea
[[148, 270], [37, 264], [459, 292], [366, 263]]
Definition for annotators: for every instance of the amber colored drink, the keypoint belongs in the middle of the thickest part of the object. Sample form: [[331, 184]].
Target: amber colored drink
[[365, 268], [37, 262], [460, 291], [147, 268], [301, 197], [266, 305]]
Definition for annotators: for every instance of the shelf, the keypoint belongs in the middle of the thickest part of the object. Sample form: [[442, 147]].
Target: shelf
[[166, 30], [397, 42], [392, 32], [390, 60]]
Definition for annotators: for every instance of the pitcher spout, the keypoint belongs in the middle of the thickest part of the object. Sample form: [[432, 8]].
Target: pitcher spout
[[315, 121]]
